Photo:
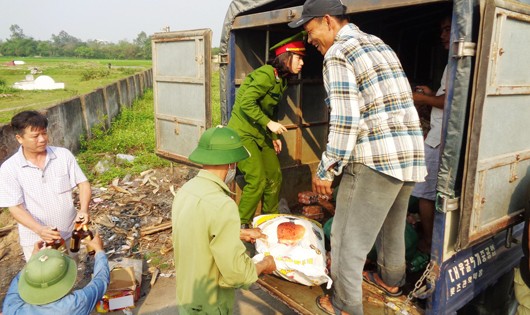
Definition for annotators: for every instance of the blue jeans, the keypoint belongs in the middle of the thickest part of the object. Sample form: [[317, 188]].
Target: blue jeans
[[371, 208]]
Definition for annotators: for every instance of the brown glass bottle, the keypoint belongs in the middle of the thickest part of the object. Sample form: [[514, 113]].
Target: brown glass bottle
[[58, 244], [88, 235], [77, 236]]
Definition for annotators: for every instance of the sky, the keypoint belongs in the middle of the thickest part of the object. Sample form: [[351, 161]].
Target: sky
[[110, 20]]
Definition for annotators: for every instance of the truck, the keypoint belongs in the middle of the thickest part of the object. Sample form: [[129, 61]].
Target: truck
[[484, 175]]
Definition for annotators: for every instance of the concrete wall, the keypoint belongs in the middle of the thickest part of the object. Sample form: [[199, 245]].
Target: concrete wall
[[71, 119]]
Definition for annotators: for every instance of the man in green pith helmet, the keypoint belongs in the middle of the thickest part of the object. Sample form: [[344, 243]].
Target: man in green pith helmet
[[253, 118], [44, 284], [210, 259]]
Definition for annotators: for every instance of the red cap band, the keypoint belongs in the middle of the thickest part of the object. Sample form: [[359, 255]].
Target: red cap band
[[295, 47]]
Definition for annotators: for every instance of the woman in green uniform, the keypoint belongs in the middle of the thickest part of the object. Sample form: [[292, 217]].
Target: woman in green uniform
[[252, 118]]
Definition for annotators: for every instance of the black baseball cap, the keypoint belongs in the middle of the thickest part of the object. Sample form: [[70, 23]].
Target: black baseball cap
[[318, 8]]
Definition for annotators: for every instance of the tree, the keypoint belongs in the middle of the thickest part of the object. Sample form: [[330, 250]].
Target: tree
[[84, 52], [16, 32], [143, 42], [44, 48], [65, 43]]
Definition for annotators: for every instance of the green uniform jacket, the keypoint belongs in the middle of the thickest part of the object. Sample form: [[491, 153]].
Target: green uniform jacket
[[210, 258], [255, 105]]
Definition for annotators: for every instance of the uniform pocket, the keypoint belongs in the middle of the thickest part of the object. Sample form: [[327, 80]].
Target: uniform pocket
[[62, 184]]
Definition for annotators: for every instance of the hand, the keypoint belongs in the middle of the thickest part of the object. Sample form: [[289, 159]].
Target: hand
[[277, 145], [48, 235], [85, 215], [269, 263], [96, 243], [424, 90], [322, 186], [38, 246], [276, 127], [251, 235]]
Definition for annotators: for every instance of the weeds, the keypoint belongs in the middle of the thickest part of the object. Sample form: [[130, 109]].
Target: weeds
[[6, 89], [132, 132], [92, 74]]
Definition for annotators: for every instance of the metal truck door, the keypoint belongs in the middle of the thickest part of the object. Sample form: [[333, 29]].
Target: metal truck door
[[181, 85], [497, 170]]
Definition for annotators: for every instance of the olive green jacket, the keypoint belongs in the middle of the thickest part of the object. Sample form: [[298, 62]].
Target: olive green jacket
[[210, 259], [256, 104]]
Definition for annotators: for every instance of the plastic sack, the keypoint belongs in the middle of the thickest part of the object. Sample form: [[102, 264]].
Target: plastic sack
[[297, 245]]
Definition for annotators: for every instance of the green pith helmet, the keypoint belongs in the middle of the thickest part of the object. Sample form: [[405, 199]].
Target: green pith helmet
[[217, 146], [48, 276]]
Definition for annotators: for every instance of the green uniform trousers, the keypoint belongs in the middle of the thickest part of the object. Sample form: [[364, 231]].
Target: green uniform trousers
[[263, 178]]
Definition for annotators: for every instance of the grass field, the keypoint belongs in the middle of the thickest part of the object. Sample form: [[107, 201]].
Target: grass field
[[80, 76]]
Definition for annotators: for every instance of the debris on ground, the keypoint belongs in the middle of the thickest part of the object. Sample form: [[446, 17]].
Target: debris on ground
[[133, 217]]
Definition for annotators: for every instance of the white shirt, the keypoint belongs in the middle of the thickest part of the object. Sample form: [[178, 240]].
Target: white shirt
[[434, 137], [46, 194]]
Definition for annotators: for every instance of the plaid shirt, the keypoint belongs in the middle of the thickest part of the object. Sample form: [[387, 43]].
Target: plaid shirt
[[373, 120]]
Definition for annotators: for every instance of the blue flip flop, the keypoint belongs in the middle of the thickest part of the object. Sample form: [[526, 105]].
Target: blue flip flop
[[371, 280]]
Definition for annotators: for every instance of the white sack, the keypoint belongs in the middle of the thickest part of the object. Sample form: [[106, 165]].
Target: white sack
[[298, 248]]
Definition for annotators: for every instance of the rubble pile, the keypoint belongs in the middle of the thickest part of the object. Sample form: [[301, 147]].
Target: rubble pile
[[133, 215]]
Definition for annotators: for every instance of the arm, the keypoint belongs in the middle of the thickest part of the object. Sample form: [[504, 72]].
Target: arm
[[22, 216], [235, 267], [97, 287], [12, 300], [250, 235], [266, 266], [85, 194], [277, 143], [261, 83], [342, 90], [428, 97], [421, 99], [78, 178]]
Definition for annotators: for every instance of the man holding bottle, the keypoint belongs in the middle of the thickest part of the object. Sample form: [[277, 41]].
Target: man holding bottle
[[43, 286], [36, 184]]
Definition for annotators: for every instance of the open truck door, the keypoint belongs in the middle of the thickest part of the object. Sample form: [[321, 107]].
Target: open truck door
[[497, 170], [485, 165], [181, 84]]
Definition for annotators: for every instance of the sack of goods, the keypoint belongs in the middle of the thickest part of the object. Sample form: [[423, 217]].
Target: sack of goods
[[297, 245]]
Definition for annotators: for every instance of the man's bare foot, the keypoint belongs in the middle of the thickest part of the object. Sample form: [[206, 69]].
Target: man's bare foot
[[324, 303], [373, 278]]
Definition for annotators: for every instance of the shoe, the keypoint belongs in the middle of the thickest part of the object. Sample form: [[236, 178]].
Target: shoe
[[369, 278], [336, 310]]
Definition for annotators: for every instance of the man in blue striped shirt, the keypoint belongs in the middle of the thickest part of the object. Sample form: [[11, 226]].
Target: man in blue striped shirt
[[375, 141]]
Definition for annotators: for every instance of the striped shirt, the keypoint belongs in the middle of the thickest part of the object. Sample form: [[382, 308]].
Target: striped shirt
[[46, 194], [373, 120]]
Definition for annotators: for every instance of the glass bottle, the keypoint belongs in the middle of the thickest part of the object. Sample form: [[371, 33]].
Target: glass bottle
[[77, 235], [88, 234], [58, 244]]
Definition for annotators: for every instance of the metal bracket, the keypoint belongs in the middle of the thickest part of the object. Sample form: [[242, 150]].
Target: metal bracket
[[445, 204], [223, 59], [464, 49]]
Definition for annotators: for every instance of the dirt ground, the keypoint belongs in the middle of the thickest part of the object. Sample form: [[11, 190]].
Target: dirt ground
[[133, 216]]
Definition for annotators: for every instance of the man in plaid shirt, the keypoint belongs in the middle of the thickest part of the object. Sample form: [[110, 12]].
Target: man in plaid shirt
[[375, 141]]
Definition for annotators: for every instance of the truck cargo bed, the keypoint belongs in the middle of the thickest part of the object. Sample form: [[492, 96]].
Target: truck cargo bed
[[301, 298]]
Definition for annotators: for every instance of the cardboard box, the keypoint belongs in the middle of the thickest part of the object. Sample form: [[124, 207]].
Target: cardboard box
[[124, 287]]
